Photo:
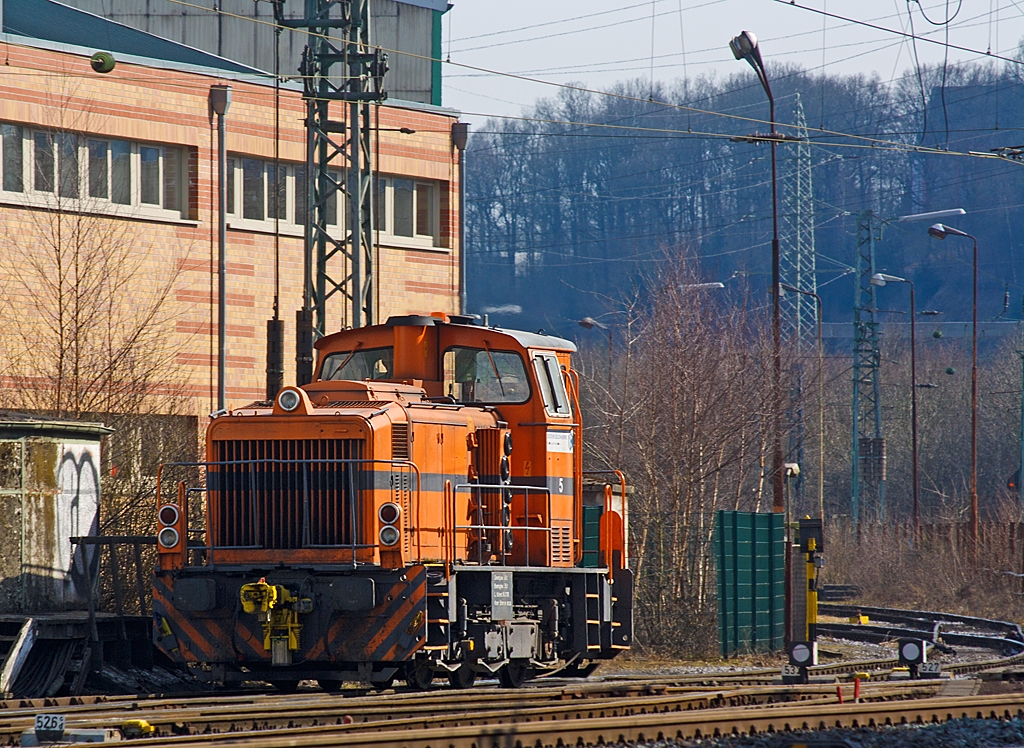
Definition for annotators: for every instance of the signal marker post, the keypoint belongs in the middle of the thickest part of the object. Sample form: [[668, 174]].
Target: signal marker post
[[804, 654]]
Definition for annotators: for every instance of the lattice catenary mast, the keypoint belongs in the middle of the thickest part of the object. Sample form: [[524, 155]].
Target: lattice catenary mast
[[867, 440], [342, 67], [797, 269]]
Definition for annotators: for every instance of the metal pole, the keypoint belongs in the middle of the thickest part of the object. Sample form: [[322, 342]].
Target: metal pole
[[1021, 468], [974, 406], [220, 101], [821, 417], [355, 214], [913, 414], [777, 478], [463, 289], [222, 240]]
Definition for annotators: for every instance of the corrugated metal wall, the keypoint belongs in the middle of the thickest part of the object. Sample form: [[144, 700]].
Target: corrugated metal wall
[[249, 38], [750, 550]]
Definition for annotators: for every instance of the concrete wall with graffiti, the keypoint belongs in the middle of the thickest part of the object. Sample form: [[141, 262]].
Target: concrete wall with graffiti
[[49, 493]]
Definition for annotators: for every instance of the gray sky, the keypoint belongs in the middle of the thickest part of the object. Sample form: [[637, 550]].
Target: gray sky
[[598, 42]]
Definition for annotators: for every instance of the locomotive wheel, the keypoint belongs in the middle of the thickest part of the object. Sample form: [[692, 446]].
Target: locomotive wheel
[[464, 677], [419, 676], [329, 685], [285, 686], [514, 674]]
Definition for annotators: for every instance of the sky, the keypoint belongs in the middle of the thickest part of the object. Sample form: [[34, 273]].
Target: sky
[[598, 42]]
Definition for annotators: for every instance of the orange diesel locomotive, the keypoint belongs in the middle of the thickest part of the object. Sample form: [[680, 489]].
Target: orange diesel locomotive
[[416, 511]]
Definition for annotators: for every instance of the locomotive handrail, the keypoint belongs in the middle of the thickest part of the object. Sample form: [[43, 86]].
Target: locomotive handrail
[[503, 528], [625, 514], [573, 378], [279, 461]]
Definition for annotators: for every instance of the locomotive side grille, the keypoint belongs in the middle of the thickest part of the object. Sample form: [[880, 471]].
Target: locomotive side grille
[[284, 493], [400, 441], [561, 545]]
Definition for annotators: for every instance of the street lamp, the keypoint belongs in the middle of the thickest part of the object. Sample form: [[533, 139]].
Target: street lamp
[[744, 47], [880, 279], [941, 231], [589, 323], [697, 286], [821, 399]]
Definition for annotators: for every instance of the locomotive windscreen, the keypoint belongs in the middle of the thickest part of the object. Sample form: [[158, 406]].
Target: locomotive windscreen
[[284, 493]]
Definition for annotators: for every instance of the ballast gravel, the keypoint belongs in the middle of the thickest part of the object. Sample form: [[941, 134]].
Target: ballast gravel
[[958, 733]]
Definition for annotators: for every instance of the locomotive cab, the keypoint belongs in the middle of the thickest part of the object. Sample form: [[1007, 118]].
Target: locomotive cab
[[414, 511]]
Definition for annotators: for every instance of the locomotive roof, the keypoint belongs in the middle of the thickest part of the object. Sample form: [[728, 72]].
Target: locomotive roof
[[539, 340], [525, 339]]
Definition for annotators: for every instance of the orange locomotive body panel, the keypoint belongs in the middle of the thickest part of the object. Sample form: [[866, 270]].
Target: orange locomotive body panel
[[427, 486]]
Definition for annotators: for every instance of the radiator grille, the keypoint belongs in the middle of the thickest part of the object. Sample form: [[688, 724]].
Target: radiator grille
[[283, 505], [400, 441], [561, 545]]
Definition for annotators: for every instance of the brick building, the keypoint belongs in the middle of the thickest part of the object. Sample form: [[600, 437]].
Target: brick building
[[121, 169]]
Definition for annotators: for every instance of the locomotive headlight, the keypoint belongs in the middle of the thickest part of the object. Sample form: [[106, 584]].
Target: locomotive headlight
[[389, 513], [168, 514], [289, 400], [389, 535], [168, 537], [506, 470], [508, 443]]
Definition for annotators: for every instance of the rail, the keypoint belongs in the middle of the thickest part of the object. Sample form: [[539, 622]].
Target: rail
[[354, 492], [502, 492]]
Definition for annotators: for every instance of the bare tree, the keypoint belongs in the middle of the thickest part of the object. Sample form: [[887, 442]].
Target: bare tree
[[88, 331], [684, 410]]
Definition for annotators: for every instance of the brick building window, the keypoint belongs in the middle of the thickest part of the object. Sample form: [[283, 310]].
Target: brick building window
[[258, 193], [93, 173], [409, 210]]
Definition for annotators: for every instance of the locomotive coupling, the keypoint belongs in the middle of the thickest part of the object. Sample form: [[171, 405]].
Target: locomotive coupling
[[278, 609]]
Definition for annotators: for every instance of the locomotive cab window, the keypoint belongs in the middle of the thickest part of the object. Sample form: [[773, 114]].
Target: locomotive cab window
[[479, 375], [358, 365], [552, 384]]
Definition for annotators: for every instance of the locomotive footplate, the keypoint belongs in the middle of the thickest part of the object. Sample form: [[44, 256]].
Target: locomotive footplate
[[322, 620]]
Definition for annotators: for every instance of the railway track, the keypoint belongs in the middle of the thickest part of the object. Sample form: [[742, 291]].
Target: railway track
[[317, 716], [507, 718], [636, 728], [554, 711]]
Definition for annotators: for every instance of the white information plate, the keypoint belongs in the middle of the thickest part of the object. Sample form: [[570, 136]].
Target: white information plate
[[49, 726], [560, 441]]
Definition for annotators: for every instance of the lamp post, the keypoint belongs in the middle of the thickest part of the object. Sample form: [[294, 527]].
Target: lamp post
[[460, 137], [941, 231], [220, 100], [821, 398], [880, 279], [744, 47], [589, 323]]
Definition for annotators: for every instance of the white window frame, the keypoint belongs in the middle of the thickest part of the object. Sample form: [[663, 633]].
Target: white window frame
[[417, 241], [267, 224], [30, 196]]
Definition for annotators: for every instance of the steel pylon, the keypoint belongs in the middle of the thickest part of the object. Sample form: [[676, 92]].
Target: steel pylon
[[338, 64], [797, 269]]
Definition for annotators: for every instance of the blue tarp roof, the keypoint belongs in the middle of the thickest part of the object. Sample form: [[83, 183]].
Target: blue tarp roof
[[45, 19]]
